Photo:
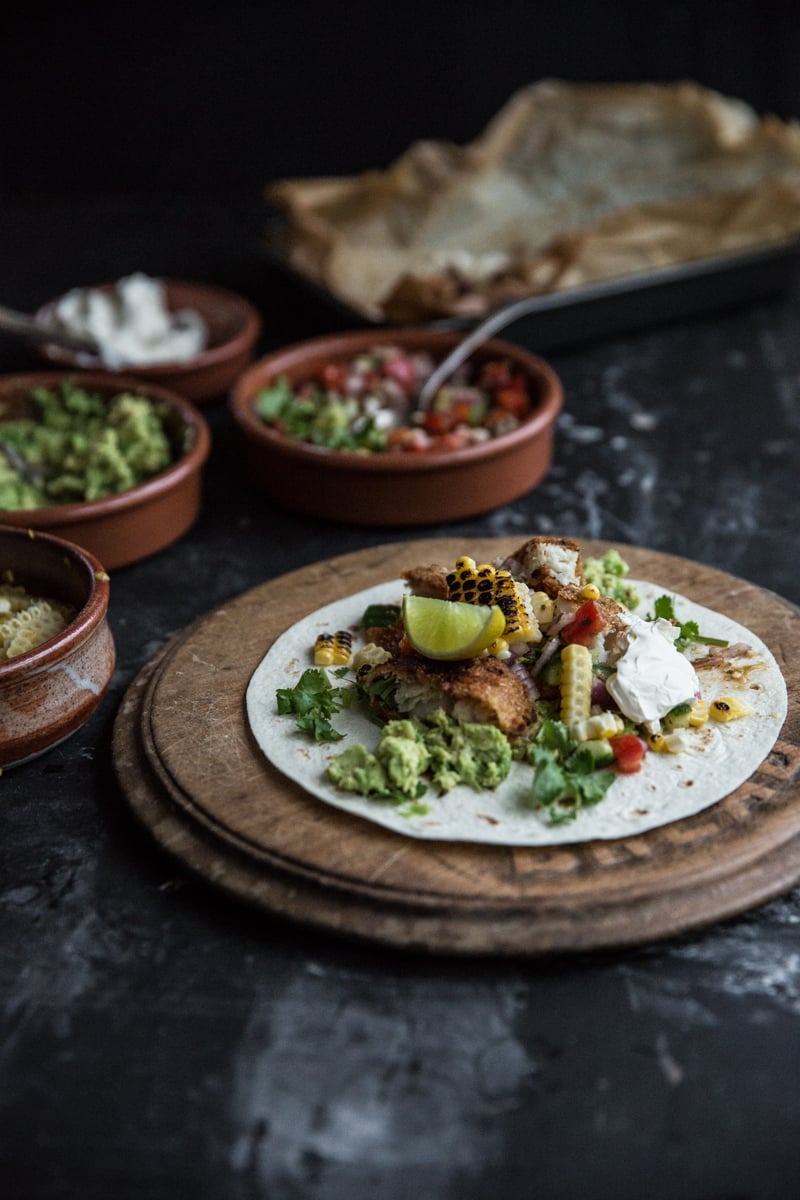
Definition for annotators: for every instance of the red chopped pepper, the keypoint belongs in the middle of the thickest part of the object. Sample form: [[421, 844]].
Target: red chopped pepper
[[585, 625], [629, 751]]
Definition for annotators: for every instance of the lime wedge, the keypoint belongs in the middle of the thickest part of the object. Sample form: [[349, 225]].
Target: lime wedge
[[447, 629]]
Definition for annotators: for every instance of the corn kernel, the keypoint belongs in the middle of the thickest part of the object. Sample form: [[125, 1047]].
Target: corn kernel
[[727, 708], [699, 714], [590, 592], [666, 743], [600, 725]]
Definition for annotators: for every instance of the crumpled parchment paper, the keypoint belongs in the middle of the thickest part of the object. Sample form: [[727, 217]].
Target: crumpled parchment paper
[[569, 184]]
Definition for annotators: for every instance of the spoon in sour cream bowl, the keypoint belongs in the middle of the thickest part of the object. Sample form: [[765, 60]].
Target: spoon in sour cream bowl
[[29, 327]]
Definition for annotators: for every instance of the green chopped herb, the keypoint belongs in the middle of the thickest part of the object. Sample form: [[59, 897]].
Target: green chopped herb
[[313, 701], [566, 778], [689, 631]]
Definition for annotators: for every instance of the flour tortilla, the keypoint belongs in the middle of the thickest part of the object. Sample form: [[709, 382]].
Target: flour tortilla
[[668, 788]]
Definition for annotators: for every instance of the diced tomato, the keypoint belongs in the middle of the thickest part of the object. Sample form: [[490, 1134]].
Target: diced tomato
[[585, 625], [465, 413], [437, 422], [629, 751], [514, 400], [495, 374], [334, 377], [457, 439]]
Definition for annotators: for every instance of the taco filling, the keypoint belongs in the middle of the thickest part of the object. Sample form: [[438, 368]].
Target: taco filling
[[518, 701]]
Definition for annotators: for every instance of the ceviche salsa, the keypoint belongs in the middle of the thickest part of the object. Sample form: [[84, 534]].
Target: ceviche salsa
[[366, 404]]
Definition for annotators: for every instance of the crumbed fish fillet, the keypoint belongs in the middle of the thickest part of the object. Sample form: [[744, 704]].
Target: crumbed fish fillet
[[548, 564], [482, 690], [428, 581]]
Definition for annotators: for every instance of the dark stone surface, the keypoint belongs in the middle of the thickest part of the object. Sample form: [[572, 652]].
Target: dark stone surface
[[159, 1040]]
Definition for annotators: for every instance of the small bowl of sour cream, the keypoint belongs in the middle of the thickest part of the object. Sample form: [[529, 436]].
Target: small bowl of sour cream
[[195, 338]]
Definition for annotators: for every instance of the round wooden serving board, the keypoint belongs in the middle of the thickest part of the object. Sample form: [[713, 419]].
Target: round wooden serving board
[[192, 773]]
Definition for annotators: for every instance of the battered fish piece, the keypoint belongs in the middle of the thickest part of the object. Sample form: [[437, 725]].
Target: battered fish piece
[[548, 564], [430, 581], [480, 690]]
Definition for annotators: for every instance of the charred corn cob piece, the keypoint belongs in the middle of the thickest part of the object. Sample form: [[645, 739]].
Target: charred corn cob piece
[[484, 584], [333, 649], [727, 708], [576, 684]]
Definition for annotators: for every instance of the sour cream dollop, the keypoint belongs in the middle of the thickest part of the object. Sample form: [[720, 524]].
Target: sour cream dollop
[[651, 676], [132, 324]]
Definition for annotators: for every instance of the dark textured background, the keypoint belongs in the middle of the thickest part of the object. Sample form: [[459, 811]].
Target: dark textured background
[[219, 97], [159, 1040]]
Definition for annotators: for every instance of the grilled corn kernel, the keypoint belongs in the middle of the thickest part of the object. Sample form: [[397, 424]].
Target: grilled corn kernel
[[727, 708], [576, 684], [590, 592], [333, 649], [666, 743], [699, 712], [600, 725]]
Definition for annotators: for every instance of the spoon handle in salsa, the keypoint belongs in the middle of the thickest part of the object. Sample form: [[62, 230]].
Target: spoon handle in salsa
[[496, 321]]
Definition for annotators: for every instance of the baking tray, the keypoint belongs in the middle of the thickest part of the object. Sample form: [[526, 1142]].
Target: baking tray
[[581, 314]]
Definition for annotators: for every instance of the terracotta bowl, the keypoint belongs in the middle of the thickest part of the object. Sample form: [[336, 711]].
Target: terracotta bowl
[[48, 692], [134, 524], [234, 326], [396, 488]]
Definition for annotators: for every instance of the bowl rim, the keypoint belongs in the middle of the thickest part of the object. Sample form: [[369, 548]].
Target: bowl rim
[[86, 620], [211, 356], [242, 396], [189, 462]]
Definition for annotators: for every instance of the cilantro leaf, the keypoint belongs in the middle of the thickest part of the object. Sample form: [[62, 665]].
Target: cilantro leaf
[[313, 701], [565, 778], [689, 631]]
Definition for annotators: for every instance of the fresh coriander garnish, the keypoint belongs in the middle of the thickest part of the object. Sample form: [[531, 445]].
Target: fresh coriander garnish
[[565, 778], [689, 630], [313, 701]]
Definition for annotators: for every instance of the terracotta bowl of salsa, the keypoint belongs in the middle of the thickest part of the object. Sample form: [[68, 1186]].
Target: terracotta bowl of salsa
[[124, 525], [326, 429], [49, 687], [233, 327]]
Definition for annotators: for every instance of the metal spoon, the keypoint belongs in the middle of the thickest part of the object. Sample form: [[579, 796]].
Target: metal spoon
[[27, 326], [481, 333]]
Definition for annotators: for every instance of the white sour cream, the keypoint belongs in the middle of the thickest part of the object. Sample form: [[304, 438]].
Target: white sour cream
[[132, 324], [651, 676]]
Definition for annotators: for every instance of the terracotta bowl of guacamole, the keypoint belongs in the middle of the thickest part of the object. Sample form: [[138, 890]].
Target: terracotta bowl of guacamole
[[56, 649], [329, 428], [105, 461]]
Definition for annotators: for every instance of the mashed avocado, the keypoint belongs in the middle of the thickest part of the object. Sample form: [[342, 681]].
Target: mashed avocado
[[410, 752], [79, 446], [608, 574]]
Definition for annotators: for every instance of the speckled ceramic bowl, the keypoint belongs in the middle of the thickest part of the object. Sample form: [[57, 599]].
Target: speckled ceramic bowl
[[395, 488], [234, 326], [134, 524], [48, 692]]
